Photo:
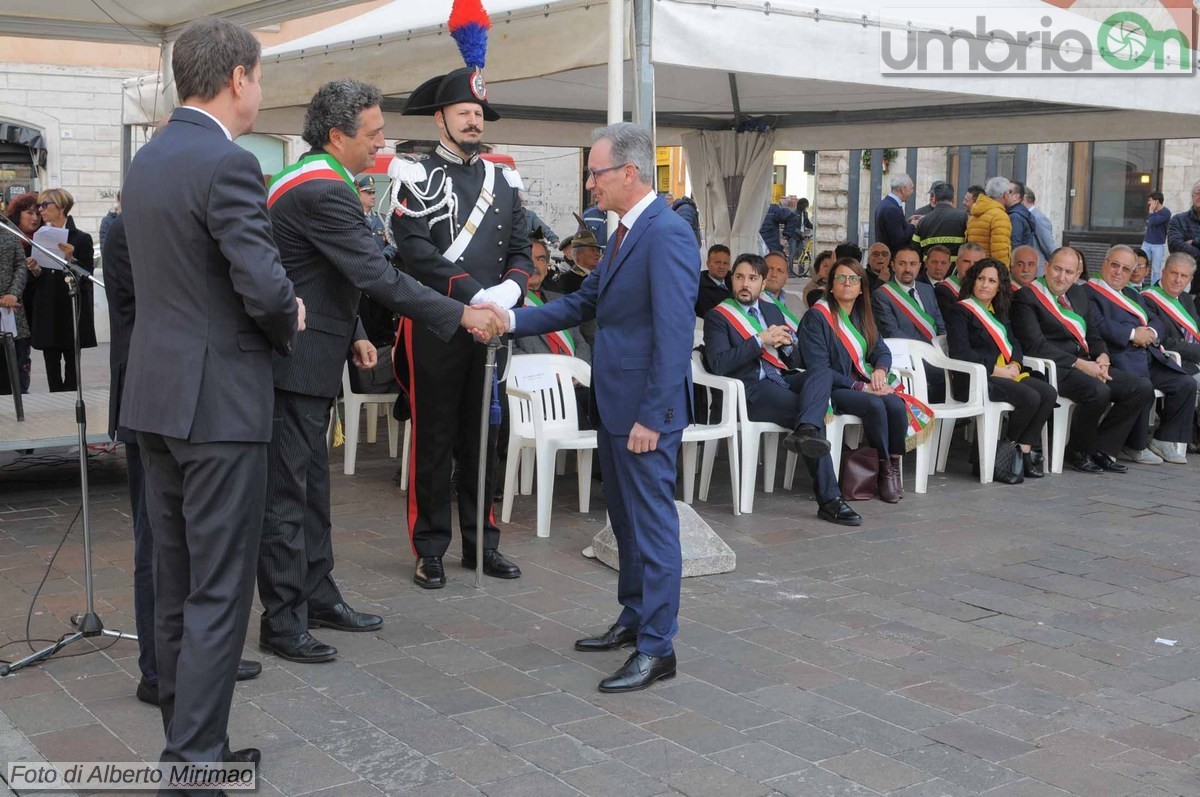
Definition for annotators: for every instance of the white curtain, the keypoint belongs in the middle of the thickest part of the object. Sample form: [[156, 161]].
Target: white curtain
[[731, 181]]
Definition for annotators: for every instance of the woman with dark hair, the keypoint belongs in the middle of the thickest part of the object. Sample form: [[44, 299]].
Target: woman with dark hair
[[53, 332], [22, 212], [814, 291], [839, 334], [979, 331]]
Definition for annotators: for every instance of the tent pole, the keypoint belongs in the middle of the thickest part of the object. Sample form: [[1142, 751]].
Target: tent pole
[[643, 69], [616, 61]]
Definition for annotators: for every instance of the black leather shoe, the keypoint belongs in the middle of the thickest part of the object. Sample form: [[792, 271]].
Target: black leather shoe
[[494, 565], [639, 671], [1081, 462], [247, 755], [838, 511], [429, 573], [616, 636], [1033, 468], [342, 618], [248, 670], [807, 440], [1106, 463], [147, 692], [300, 648]]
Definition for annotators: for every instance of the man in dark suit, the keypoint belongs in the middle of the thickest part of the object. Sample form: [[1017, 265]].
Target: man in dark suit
[[891, 225], [570, 341], [643, 296], [714, 285], [1179, 319], [118, 287], [1133, 340], [215, 302], [1054, 319], [906, 308], [946, 290], [750, 340], [329, 253]]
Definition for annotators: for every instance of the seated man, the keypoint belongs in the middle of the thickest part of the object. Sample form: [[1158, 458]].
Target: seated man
[[569, 341], [1024, 267], [1141, 270], [879, 258], [748, 339], [773, 288], [937, 265], [1175, 309], [585, 253], [905, 308], [947, 289], [1136, 349], [714, 283], [1054, 319]]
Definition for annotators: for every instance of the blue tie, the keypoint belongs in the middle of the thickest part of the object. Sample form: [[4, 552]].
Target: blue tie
[[767, 369]]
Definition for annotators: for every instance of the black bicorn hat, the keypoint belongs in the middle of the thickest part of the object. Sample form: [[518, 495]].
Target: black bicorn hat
[[462, 85]]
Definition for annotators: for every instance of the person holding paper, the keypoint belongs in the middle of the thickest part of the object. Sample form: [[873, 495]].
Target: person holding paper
[[53, 331]]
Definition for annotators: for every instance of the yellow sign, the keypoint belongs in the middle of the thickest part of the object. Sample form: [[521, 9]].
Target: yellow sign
[[663, 156]]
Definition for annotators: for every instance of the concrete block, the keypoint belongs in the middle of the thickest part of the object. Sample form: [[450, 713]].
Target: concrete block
[[704, 553]]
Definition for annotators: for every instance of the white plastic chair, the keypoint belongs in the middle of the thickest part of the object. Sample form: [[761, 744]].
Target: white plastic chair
[[711, 434], [908, 360], [543, 417], [1055, 450], [977, 407], [354, 402]]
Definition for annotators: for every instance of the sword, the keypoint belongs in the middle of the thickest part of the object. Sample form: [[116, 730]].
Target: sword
[[489, 371]]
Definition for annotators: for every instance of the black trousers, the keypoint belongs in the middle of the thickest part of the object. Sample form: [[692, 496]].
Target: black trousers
[[1033, 403], [60, 369], [205, 502], [295, 560], [804, 400], [446, 395], [1130, 397], [885, 418], [1179, 404], [143, 564]]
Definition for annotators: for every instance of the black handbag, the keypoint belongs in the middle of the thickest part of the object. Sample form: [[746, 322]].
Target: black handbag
[[1010, 465], [859, 477]]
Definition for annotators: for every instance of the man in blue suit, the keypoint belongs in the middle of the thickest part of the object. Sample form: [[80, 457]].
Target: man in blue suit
[[750, 340], [642, 296], [891, 226], [1133, 343], [908, 308]]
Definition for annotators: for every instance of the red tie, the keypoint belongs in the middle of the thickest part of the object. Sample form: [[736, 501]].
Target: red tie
[[1062, 300], [621, 230]]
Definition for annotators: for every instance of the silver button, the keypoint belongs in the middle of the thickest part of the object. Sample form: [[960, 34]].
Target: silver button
[[499, 243], [499, 260], [499, 226], [497, 210]]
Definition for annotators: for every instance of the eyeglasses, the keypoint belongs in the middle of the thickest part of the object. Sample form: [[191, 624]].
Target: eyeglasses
[[595, 173], [847, 279], [44, 205]]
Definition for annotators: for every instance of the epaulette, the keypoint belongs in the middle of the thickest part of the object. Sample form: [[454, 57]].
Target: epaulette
[[512, 176], [407, 169]]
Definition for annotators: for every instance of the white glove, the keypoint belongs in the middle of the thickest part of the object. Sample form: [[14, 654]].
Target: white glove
[[506, 294]]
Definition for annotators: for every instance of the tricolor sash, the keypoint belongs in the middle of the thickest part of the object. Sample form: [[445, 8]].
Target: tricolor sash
[[993, 326], [318, 166], [789, 317], [953, 283], [561, 342], [1174, 310], [912, 310], [920, 415], [1074, 323], [1102, 288], [746, 326]]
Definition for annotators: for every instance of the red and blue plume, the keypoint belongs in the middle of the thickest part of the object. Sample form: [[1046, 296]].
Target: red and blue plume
[[469, 25]]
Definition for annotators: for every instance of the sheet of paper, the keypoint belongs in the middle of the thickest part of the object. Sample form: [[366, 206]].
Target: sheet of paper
[[8, 321], [538, 381], [49, 237]]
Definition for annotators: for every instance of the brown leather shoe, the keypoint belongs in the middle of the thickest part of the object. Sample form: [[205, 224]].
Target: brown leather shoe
[[891, 489]]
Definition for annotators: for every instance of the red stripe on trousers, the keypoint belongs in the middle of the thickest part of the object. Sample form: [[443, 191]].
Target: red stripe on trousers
[[412, 404]]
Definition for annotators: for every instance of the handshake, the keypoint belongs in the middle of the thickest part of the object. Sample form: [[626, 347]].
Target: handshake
[[487, 315]]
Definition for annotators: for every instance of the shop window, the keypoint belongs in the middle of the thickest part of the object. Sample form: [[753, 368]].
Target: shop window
[[1109, 183]]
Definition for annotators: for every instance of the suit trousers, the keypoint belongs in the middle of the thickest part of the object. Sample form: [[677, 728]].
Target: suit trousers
[[639, 491], [884, 418], [1179, 403], [295, 558], [1033, 403], [1130, 397], [804, 400], [445, 396], [143, 564], [205, 503]]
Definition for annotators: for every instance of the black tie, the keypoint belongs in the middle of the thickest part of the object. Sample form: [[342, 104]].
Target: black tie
[[769, 369], [913, 293]]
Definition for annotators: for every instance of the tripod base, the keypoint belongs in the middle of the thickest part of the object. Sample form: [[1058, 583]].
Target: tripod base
[[89, 626]]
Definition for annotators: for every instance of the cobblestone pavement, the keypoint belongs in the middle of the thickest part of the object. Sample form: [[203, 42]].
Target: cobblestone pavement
[[975, 640]]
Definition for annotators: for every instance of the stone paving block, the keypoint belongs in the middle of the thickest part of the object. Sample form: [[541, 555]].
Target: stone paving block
[[1151, 770], [715, 781], [535, 784], [554, 708], [807, 741], [940, 788], [1027, 787], [729, 709], [897, 710], [459, 701], [483, 763], [559, 754], [434, 735], [51, 711], [1185, 694], [977, 740], [82, 743], [1160, 742], [698, 733], [1027, 698], [303, 768], [1081, 746], [728, 676], [1150, 712], [817, 782], [874, 771], [798, 703], [613, 779], [1072, 775], [382, 760], [310, 714], [414, 678], [958, 767], [529, 657], [659, 758], [758, 760], [450, 657], [606, 732], [506, 726], [943, 697]]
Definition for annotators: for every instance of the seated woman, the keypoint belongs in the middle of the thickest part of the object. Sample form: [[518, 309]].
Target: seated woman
[[838, 334], [814, 290], [978, 331]]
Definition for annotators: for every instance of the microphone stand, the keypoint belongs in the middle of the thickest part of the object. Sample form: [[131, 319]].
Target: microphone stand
[[89, 623]]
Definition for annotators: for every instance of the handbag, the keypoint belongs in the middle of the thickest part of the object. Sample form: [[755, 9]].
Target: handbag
[[859, 478], [1010, 465]]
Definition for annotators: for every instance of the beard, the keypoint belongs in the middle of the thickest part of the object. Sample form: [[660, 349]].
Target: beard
[[470, 148]]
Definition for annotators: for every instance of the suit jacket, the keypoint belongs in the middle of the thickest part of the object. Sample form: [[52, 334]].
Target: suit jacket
[[1041, 335], [892, 321], [331, 256], [820, 350], [1043, 234], [1116, 325], [891, 226], [971, 342], [711, 294], [216, 299], [643, 299], [541, 345], [727, 353], [946, 299], [118, 287], [1172, 335], [51, 327]]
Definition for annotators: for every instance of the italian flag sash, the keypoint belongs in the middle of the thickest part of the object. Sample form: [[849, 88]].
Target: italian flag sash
[[789, 317], [1074, 322], [992, 325], [908, 305], [1119, 299], [1174, 310], [920, 415], [318, 166], [953, 283], [747, 327], [561, 342]]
